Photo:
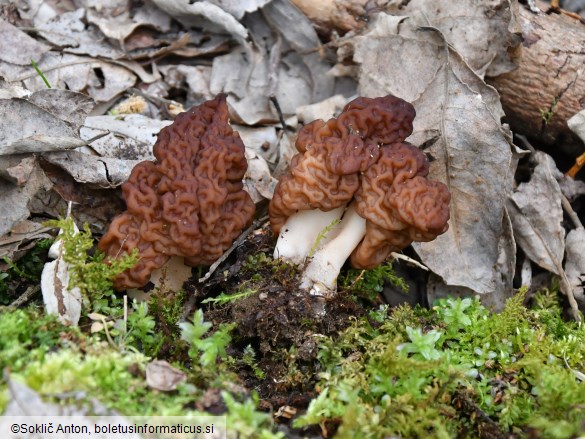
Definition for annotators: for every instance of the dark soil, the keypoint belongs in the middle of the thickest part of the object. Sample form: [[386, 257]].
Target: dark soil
[[280, 321]]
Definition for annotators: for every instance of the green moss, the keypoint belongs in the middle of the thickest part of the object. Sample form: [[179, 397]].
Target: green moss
[[88, 272], [370, 283], [518, 370]]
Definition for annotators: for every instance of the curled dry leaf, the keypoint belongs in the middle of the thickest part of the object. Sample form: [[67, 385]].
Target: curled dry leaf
[[16, 47], [48, 120], [203, 14], [15, 201], [262, 140], [458, 125], [130, 137], [324, 110], [104, 172], [258, 182], [160, 375], [114, 18], [537, 215], [575, 263], [284, 62], [58, 297]]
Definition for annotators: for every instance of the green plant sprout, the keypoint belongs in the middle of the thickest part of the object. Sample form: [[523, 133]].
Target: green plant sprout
[[322, 235], [205, 350], [40, 73], [421, 345], [249, 359], [224, 298], [246, 420], [548, 113], [371, 282]]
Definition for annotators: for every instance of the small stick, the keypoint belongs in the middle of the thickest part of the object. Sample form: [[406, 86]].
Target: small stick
[[229, 251], [409, 260], [25, 297], [279, 111]]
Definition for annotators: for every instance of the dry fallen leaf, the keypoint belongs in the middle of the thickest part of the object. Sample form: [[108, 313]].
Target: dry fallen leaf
[[15, 200], [130, 137], [16, 47], [29, 406], [537, 215], [258, 182], [575, 263], [203, 14], [284, 62], [103, 172], [239, 7], [160, 375], [484, 33], [458, 126], [48, 120], [58, 297]]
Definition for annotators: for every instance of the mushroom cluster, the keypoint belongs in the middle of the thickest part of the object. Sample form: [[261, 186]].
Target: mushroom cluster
[[190, 202], [356, 178]]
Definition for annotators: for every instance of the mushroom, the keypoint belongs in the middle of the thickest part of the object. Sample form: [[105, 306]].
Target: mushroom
[[324, 176], [356, 178], [189, 202]]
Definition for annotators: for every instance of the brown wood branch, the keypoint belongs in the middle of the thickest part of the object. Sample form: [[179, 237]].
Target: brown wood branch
[[548, 87]]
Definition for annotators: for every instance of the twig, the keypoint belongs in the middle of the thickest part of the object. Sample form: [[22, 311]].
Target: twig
[[409, 260], [26, 296], [279, 111], [153, 98], [229, 251], [357, 279]]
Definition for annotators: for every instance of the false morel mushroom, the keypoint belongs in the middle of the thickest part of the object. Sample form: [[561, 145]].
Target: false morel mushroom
[[356, 178], [189, 202]]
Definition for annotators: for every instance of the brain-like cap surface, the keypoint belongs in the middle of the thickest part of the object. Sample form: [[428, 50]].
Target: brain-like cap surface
[[399, 203], [190, 202], [325, 173]]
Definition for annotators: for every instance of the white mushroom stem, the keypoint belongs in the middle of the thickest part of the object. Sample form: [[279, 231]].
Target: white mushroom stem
[[320, 276], [301, 231]]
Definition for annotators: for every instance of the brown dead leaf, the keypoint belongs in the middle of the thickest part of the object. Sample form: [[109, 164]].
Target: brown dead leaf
[[160, 375], [458, 122]]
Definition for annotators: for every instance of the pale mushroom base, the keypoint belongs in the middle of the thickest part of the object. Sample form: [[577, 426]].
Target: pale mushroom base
[[303, 234]]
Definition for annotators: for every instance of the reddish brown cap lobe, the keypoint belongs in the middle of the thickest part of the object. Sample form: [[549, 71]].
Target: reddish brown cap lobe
[[189, 202], [325, 173]]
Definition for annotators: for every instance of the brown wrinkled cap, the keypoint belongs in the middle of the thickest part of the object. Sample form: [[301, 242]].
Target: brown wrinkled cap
[[190, 202], [399, 203], [325, 173]]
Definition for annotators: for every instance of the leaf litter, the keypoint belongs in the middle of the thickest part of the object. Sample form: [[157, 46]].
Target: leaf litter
[[440, 70], [265, 52]]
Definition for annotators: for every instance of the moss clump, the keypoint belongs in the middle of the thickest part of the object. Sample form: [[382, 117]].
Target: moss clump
[[87, 271], [457, 370]]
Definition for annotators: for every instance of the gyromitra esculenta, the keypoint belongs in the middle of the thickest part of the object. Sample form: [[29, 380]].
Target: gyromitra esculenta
[[357, 179], [190, 202]]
